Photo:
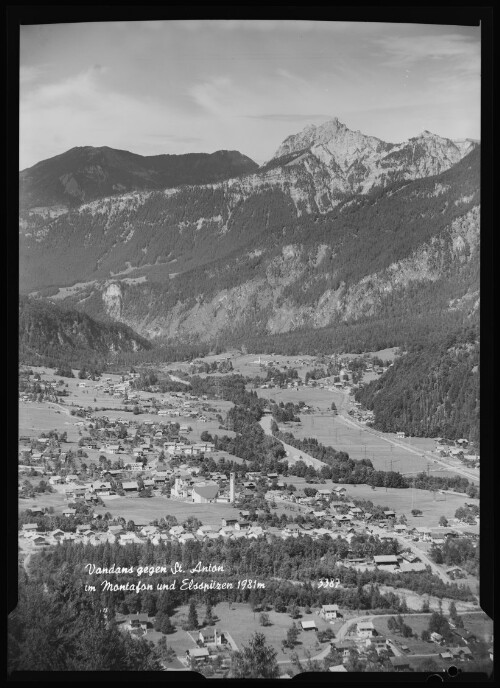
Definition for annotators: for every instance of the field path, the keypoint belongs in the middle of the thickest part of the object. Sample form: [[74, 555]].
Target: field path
[[294, 454]]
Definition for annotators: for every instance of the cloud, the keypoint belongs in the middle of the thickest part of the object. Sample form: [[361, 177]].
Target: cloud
[[213, 95], [84, 110], [459, 51]]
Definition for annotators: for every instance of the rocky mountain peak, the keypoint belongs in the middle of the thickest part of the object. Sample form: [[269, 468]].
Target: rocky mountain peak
[[310, 136]]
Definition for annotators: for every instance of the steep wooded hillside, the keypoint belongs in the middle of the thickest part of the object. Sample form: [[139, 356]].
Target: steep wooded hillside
[[49, 334], [431, 391]]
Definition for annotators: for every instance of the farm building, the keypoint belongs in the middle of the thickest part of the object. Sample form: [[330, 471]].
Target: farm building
[[385, 560], [309, 625]]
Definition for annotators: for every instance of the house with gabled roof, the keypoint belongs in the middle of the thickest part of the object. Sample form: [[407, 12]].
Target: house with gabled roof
[[308, 625], [211, 636], [29, 528], [198, 654], [329, 611], [365, 629]]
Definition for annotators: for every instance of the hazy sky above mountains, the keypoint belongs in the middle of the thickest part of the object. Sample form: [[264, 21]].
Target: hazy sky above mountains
[[200, 86]]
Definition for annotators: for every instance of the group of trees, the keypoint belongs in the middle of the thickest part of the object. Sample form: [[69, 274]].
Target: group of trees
[[397, 625], [285, 413], [66, 629], [301, 560], [457, 552]]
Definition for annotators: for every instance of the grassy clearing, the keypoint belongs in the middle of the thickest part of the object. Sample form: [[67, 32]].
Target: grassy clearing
[[55, 500]]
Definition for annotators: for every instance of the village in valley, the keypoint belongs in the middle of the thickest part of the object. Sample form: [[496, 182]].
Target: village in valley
[[113, 459]]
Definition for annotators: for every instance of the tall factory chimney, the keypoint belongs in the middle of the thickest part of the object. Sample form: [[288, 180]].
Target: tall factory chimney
[[231, 488]]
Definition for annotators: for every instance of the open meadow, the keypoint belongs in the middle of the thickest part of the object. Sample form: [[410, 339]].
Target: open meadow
[[53, 499], [143, 510], [334, 431]]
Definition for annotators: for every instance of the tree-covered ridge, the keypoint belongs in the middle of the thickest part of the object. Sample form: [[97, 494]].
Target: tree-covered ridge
[[57, 335], [86, 173], [431, 391]]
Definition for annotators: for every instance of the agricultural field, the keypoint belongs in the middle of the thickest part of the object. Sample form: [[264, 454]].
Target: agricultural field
[[35, 419], [143, 510], [335, 432], [53, 499]]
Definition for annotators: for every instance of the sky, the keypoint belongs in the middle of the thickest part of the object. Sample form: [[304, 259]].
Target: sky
[[205, 85]]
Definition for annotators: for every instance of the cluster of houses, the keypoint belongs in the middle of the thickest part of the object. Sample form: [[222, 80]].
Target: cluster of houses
[[458, 449], [365, 638], [230, 529], [362, 415]]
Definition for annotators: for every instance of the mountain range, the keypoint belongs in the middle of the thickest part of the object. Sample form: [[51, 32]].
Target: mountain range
[[85, 174], [337, 228]]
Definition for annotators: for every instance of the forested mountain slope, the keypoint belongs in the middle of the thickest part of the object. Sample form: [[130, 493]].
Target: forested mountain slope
[[50, 334], [431, 391], [86, 173]]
